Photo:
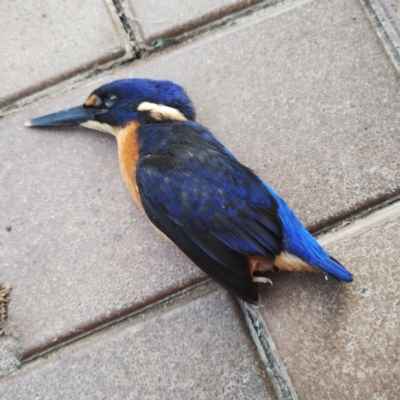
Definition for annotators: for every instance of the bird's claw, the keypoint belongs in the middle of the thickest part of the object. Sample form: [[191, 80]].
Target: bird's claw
[[261, 279]]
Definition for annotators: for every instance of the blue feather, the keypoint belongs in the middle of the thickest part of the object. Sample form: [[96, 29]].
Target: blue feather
[[198, 183], [299, 242]]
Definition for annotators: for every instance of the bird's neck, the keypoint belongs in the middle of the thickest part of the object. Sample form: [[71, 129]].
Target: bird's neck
[[129, 145], [128, 154]]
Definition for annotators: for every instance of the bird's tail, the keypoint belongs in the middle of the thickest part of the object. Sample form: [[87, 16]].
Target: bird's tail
[[333, 268], [299, 242]]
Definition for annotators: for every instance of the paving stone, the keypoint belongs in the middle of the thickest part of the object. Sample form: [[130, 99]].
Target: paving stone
[[45, 42], [341, 341], [160, 19], [199, 349], [304, 96]]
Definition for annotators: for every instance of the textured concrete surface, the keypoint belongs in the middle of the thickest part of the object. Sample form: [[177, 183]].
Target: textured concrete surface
[[286, 92], [45, 42], [200, 349], [341, 341], [179, 16]]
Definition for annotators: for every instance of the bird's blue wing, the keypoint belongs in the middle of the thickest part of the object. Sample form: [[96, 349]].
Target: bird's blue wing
[[216, 210]]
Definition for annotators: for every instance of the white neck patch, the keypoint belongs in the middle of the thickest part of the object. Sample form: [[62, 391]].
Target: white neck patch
[[159, 112]]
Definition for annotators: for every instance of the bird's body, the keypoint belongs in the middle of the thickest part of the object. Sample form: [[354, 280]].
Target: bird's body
[[194, 191]]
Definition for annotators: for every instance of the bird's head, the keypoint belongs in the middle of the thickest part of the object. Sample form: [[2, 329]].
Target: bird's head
[[113, 105]]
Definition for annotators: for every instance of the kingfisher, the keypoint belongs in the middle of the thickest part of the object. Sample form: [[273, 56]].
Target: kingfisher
[[224, 217]]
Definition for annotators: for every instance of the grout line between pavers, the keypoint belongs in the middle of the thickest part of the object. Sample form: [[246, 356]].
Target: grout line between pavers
[[136, 313], [377, 13], [356, 215], [267, 351], [271, 7], [391, 14], [170, 302], [377, 217], [132, 32], [127, 38], [124, 19]]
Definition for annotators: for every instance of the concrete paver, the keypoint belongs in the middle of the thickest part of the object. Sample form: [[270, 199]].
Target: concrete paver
[[199, 349], [341, 341], [286, 92], [179, 16], [43, 43]]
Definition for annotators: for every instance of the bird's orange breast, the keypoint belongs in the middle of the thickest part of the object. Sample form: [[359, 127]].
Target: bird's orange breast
[[128, 154]]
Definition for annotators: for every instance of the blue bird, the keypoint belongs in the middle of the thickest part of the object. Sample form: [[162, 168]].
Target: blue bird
[[194, 191]]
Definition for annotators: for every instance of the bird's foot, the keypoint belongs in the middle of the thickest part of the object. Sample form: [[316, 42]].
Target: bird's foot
[[261, 279]]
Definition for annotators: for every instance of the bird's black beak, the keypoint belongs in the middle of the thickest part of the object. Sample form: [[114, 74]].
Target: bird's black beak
[[73, 116]]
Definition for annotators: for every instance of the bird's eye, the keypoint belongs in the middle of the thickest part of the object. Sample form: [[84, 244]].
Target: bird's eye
[[97, 102], [110, 100]]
